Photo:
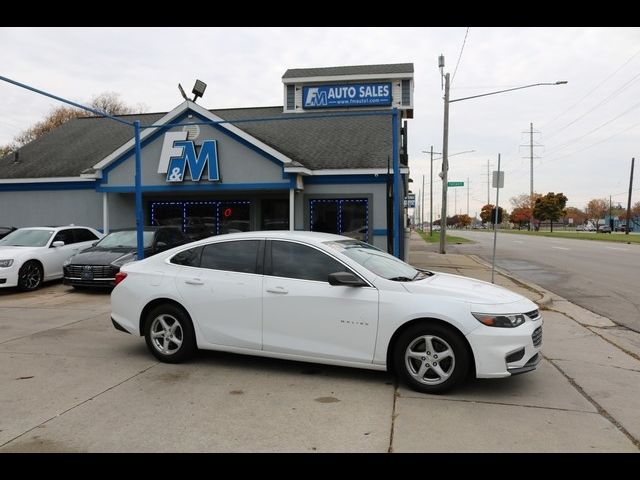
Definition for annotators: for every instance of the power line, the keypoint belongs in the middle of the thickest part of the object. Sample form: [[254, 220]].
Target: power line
[[594, 89], [460, 56], [599, 142], [612, 95], [560, 147]]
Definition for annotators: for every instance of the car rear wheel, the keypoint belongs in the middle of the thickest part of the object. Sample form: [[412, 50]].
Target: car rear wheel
[[169, 334], [431, 358], [30, 276]]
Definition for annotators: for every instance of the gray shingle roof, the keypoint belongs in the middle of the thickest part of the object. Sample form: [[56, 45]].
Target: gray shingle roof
[[315, 143], [349, 70]]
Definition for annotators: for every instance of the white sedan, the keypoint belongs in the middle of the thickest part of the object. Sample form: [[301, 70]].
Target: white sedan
[[325, 298], [30, 256]]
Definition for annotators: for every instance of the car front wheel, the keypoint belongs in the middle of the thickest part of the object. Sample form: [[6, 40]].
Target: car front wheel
[[30, 276], [431, 358], [169, 334]]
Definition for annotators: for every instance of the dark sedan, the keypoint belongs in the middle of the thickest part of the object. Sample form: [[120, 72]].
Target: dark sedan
[[4, 231], [97, 266]]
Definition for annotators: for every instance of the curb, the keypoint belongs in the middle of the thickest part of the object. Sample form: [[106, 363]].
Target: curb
[[546, 299]]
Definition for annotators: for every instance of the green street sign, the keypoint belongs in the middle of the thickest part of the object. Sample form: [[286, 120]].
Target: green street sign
[[455, 184]]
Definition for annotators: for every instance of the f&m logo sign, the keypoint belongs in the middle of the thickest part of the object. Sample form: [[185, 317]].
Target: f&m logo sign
[[178, 154]]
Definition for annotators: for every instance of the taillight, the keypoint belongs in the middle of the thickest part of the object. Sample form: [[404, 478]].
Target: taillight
[[120, 276]]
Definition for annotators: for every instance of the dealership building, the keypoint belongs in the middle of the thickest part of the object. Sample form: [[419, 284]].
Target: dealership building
[[333, 158]]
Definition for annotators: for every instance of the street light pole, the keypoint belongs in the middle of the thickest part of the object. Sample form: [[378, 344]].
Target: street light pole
[[431, 196], [445, 164], [445, 140]]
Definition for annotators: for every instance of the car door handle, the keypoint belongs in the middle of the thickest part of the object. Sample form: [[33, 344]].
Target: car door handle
[[277, 290], [194, 281]]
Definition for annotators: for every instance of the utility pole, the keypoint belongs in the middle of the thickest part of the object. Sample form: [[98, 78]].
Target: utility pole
[[531, 177], [531, 157], [626, 230], [610, 221], [445, 164], [467, 196], [422, 207], [431, 196], [488, 184]]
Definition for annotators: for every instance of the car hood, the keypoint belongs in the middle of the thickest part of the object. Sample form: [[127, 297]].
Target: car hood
[[13, 252], [462, 288], [99, 256]]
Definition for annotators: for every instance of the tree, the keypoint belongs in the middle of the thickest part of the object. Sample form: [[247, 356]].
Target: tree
[[464, 220], [550, 207], [108, 102], [520, 215], [524, 201], [596, 209], [485, 213], [578, 216]]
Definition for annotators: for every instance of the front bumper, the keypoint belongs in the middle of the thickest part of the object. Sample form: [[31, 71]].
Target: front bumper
[[101, 276], [9, 276], [502, 352]]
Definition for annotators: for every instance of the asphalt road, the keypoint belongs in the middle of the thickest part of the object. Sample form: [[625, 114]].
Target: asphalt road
[[603, 277]]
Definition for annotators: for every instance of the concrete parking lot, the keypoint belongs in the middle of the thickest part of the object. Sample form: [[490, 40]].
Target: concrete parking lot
[[69, 382]]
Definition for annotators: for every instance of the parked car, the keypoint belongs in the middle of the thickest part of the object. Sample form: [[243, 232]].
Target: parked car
[[4, 231], [325, 298], [604, 229], [97, 266], [621, 228], [30, 256]]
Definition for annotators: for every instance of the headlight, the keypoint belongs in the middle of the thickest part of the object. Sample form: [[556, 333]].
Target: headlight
[[6, 263], [502, 321]]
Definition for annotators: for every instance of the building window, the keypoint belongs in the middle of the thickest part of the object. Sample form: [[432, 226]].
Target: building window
[[348, 217], [275, 214], [203, 219], [291, 97], [406, 92]]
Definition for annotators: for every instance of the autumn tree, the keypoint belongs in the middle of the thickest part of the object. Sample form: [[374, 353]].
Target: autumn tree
[[108, 102], [595, 210], [524, 203], [464, 220], [550, 207], [578, 216], [485, 213], [520, 215]]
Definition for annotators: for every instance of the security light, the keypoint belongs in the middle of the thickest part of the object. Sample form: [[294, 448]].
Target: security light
[[198, 89], [184, 95]]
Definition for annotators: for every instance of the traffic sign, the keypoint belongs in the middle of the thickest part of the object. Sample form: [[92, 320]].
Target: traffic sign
[[455, 184]]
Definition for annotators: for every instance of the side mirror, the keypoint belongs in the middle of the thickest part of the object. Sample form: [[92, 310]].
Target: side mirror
[[161, 246], [57, 243], [345, 278]]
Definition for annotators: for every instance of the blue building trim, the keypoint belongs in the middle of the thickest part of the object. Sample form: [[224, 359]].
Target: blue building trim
[[182, 118], [216, 187], [379, 232], [30, 187], [345, 179]]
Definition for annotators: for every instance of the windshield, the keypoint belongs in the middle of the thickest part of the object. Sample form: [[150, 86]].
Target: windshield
[[377, 261], [125, 239], [26, 238]]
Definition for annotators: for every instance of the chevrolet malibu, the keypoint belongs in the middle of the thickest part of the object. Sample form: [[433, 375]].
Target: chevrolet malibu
[[324, 298]]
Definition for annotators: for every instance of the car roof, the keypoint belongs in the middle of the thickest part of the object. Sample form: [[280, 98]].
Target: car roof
[[278, 234]]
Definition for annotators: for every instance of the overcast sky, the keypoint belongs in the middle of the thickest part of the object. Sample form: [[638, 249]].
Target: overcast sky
[[587, 129]]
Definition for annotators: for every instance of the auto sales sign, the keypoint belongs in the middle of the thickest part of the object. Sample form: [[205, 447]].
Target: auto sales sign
[[347, 95]]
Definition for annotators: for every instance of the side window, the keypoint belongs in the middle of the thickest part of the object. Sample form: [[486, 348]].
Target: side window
[[65, 236], [189, 258], [176, 237], [294, 260], [84, 235], [238, 256]]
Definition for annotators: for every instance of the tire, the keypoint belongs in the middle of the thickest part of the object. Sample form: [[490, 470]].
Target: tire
[[169, 334], [30, 276], [418, 358]]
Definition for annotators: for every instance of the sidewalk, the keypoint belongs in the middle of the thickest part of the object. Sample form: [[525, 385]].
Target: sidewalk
[[584, 396]]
